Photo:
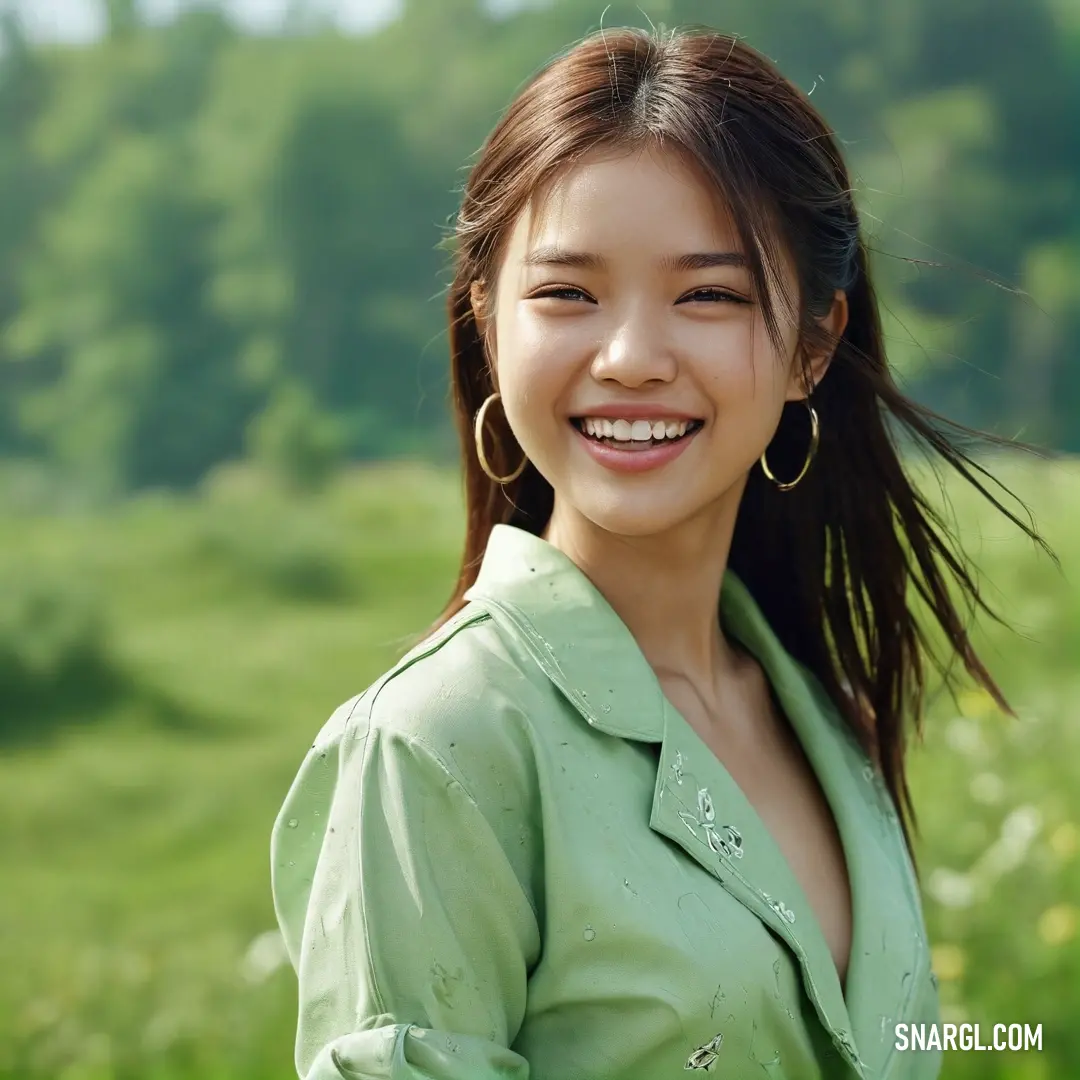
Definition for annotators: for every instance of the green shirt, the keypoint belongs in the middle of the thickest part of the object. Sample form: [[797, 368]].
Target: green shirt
[[511, 857]]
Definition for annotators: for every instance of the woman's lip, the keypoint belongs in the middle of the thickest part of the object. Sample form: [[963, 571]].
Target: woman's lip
[[634, 461], [645, 410]]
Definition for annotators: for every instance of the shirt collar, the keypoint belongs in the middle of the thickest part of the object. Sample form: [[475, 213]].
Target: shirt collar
[[568, 623]]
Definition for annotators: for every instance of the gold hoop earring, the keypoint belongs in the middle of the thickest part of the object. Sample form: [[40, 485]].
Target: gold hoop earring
[[478, 434], [815, 432]]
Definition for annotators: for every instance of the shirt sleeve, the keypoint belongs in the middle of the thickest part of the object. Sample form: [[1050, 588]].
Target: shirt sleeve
[[409, 928]]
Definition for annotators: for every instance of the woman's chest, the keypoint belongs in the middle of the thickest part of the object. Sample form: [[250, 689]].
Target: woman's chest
[[651, 967], [666, 933], [780, 786]]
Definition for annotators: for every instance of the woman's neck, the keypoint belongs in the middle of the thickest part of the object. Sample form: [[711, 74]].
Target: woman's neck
[[665, 587]]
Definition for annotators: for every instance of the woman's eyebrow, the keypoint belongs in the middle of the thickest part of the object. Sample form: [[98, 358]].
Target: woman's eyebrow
[[586, 260]]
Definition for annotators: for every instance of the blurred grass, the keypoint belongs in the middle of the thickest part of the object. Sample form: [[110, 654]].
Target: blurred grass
[[134, 828], [999, 797]]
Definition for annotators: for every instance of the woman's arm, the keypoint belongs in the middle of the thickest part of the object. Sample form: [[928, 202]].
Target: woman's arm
[[409, 927]]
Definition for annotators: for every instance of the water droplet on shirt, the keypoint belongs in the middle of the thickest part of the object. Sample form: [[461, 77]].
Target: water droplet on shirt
[[780, 908], [734, 839], [772, 1066], [292, 823], [605, 707], [848, 1044], [589, 934], [704, 1057]]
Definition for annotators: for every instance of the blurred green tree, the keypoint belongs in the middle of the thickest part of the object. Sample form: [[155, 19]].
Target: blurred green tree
[[299, 443], [129, 375], [24, 88], [195, 223], [121, 17]]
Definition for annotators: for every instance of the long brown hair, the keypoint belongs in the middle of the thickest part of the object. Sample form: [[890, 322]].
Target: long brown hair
[[833, 563]]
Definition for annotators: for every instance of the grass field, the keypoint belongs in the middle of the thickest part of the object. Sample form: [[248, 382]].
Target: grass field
[[138, 784]]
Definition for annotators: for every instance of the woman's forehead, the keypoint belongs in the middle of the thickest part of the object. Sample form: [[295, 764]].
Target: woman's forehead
[[627, 199]]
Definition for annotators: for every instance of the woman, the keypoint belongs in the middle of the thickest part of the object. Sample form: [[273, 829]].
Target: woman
[[588, 828]]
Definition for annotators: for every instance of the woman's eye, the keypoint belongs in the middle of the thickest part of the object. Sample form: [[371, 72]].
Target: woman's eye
[[560, 292], [713, 295]]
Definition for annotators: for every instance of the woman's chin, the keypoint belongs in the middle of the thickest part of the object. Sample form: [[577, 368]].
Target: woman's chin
[[638, 517]]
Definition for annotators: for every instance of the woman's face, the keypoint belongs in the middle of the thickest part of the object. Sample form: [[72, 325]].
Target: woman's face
[[607, 348]]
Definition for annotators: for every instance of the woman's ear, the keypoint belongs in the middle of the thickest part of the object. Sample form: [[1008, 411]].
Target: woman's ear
[[818, 360], [481, 303], [478, 299], [835, 323]]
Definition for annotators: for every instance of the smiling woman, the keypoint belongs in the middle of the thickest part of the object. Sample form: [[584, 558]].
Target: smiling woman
[[656, 318], [634, 805]]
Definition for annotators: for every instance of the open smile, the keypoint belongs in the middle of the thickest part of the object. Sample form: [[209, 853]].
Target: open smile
[[635, 446]]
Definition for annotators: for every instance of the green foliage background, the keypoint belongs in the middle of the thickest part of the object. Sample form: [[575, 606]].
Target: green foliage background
[[221, 316], [202, 231]]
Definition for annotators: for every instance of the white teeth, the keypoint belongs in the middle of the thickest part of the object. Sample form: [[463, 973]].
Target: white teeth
[[634, 430]]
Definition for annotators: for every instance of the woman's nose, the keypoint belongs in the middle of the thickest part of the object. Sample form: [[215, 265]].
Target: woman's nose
[[634, 354]]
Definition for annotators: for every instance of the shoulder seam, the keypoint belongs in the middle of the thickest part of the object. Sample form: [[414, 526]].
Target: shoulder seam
[[426, 648]]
